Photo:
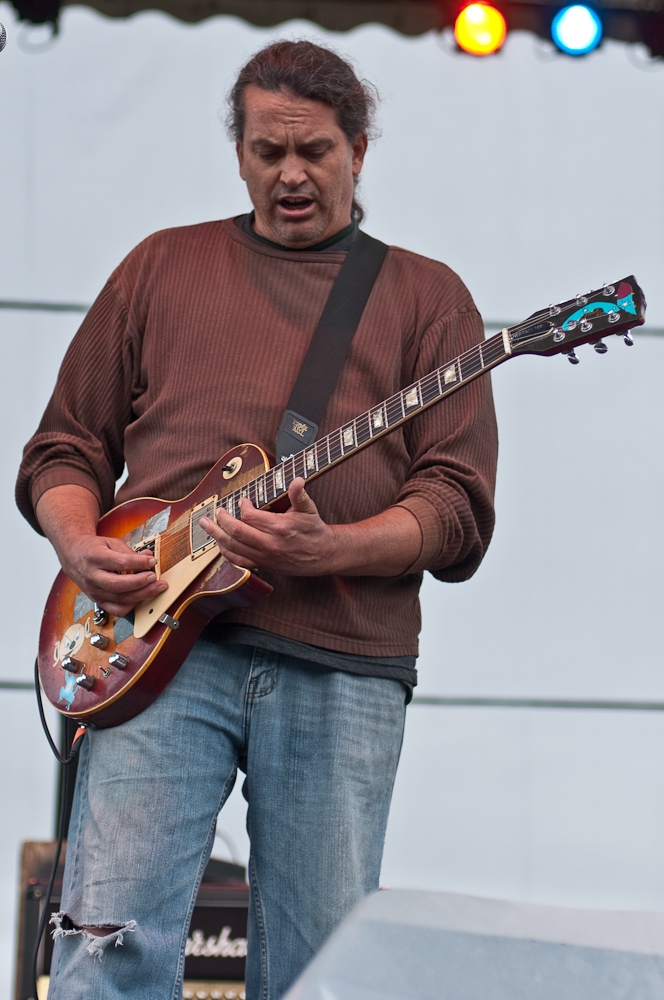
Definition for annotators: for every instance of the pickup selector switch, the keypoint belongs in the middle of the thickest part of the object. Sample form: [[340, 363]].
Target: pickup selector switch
[[118, 660], [98, 640]]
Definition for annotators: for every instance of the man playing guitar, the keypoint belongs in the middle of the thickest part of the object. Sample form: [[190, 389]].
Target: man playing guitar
[[192, 347]]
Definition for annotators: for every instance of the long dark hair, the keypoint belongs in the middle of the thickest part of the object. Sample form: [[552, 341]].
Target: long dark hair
[[313, 72]]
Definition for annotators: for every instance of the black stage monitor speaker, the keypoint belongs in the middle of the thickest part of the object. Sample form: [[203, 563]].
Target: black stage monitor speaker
[[400, 945], [216, 946]]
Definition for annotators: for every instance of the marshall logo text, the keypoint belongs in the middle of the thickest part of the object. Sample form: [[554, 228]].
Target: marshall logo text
[[223, 946]]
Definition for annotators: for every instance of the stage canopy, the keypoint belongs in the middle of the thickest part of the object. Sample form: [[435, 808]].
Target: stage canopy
[[625, 20]]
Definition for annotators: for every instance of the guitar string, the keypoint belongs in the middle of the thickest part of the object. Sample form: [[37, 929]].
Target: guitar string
[[483, 352], [394, 409], [469, 364], [470, 356]]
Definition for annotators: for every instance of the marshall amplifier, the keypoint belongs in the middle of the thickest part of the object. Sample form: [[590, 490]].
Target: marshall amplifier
[[216, 945]]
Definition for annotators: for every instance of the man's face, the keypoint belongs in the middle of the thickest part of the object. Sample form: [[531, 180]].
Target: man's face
[[298, 166]]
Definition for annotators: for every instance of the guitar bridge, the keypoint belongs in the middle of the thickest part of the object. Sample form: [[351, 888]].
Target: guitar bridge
[[153, 546]]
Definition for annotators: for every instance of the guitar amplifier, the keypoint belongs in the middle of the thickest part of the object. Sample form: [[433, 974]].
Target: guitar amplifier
[[216, 944]]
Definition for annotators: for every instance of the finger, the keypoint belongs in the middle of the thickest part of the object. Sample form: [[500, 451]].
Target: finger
[[109, 601], [300, 499], [232, 548], [105, 557], [127, 584]]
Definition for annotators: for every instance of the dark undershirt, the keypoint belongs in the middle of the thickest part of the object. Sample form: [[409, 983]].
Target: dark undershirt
[[396, 668]]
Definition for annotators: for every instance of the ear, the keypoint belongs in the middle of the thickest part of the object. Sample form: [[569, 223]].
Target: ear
[[240, 158], [358, 150]]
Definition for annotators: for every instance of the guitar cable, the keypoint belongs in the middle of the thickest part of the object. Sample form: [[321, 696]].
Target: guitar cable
[[64, 762]]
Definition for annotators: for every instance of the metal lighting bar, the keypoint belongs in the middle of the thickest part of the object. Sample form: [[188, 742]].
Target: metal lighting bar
[[579, 704], [481, 701], [43, 306], [77, 307]]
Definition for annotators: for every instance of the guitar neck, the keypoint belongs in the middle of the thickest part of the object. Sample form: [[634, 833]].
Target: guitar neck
[[371, 425]]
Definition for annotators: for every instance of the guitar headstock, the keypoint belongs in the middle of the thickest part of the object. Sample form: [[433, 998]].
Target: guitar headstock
[[613, 309]]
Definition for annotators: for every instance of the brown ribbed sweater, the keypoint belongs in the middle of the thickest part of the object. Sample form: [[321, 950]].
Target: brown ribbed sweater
[[194, 345]]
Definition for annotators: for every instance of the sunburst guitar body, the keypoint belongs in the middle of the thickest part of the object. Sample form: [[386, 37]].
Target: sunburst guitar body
[[105, 670], [91, 661]]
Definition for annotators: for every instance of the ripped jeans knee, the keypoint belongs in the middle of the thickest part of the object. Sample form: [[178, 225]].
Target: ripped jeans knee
[[95, 943]]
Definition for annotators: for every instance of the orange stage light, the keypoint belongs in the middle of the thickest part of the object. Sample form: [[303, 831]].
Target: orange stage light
[[480, 29]]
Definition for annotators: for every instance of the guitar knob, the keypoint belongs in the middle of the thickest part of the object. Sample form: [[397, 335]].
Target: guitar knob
[[98, 640], [100, 617], [84, 681], [571, 357], [627, 337], [118, 660], [69, 663], [600, 347]]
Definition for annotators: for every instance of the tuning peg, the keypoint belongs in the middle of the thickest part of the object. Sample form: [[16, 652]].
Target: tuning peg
[[627, 337], [608, 289], [600, 347], [571, 357]]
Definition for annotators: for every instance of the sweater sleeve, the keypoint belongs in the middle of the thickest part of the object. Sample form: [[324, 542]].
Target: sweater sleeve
[[453, 448], [81, 435]]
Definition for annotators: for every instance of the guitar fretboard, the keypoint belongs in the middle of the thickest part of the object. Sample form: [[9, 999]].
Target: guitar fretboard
[[358, 433]]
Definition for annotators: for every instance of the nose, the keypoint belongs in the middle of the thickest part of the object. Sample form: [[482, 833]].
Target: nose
[[293, 173]]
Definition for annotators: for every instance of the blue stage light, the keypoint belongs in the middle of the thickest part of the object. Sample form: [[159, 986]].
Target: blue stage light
[[576, 30]]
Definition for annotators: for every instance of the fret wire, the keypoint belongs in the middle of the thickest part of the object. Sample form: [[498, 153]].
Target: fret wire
[[497, 347], [332, 447], [390, 403], [364, 417]]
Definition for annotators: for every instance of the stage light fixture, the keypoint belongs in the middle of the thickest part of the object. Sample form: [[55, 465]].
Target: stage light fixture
[[576, 30], [480, 29]]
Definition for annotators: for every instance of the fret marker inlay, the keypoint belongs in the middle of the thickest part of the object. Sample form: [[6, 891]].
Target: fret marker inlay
[[279, 478], [311, 461], [450, 375], [411, 397], [377, 419], [349, 439]]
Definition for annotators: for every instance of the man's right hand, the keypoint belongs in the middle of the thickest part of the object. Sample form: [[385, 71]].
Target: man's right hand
[[110, 572], [106, 569]]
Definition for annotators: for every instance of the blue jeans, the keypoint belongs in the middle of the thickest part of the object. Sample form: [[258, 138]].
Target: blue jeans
[[320, 748]]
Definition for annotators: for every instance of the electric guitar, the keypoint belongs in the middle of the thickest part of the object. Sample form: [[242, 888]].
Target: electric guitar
[[104, 670]]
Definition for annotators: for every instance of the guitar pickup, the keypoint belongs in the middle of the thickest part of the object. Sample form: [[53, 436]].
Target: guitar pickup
[[199, 539], [153, 546]]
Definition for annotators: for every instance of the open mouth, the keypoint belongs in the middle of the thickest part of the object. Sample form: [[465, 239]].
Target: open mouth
[[295, 205]]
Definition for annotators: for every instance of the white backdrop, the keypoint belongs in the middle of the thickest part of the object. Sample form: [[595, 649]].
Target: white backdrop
[[534, 177]]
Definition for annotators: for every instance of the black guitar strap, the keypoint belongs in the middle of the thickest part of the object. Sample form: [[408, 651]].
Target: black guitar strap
[[330, 345]]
